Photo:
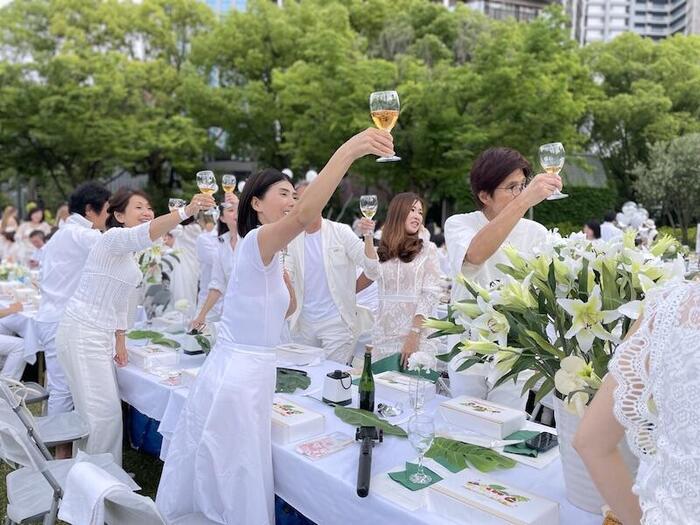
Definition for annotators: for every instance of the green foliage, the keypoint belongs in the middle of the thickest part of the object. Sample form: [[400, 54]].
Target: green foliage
[[678, 234], [582, 205], [289, 380], [154, 337], [456, 456], [358, 418]]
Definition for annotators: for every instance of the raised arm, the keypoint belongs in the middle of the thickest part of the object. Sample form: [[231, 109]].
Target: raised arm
[[275, 236], [163, 224]]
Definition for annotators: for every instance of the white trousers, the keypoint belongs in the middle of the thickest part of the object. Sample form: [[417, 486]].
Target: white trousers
[[86, 354], [12, 350], [219, 461], [60, 399], [333, 335]]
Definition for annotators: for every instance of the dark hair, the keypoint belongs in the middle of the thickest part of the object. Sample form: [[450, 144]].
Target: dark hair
[[33, 211], [595, 226], [38, 233], [492, 167], [118, 203], [87, 194], [395, 242], [221, 226], [256, 186], [10, 236], [610, 216]]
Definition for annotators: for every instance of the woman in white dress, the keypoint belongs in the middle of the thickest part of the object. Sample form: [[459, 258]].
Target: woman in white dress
[[227, 229], [35, 221], [408, 283], [651, 395], [184, 278], [91, 333], [219, 462], [8, 223]]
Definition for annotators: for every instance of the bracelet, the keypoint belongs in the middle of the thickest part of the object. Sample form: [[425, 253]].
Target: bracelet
[[415, 330], [183, 214]]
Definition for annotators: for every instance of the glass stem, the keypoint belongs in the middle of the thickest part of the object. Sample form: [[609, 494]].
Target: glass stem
[[420, 464]]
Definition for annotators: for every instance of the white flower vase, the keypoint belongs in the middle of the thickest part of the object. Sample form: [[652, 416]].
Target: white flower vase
[[416, 394], [580, 489]]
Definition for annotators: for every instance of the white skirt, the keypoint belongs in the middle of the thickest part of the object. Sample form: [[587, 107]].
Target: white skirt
[[86, 354], [219, 461]]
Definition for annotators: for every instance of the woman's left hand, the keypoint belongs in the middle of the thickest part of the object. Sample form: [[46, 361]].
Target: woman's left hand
[[122, 356], [410, 346], [198, 203]]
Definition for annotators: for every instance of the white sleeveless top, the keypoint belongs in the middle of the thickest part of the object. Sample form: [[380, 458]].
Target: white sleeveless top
[[256, 299], [658, 402]]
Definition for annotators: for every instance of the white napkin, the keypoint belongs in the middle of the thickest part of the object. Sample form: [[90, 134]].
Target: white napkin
[[86, 487]]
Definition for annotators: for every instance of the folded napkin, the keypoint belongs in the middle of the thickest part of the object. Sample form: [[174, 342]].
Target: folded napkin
[[521, 448], [411, 468], [85, 490]]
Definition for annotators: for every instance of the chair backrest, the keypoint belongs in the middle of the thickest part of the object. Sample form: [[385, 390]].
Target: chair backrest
[[15, 443], [127, 508]]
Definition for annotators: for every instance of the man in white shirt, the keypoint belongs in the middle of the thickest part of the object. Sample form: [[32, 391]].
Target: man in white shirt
[[38, 239], [64, 258], [207, 249], [608, 230], [499, 183], [322, 264]]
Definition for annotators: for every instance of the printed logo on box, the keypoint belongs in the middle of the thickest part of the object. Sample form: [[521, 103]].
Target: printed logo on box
[[479, 407], [286, 409], [497, 493]]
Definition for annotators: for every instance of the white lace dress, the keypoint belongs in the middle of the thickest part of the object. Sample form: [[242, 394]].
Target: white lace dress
[[406, 290], [658, 402]]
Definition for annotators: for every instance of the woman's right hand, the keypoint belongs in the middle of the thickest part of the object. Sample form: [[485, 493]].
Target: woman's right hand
[[198, 323], [371, 141], [541, 187], [198, 203]]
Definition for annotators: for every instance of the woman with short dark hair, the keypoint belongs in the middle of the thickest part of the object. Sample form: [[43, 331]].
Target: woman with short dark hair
[[503, 193], [409, 281], [592, 230], [91, 335], [219, 461]]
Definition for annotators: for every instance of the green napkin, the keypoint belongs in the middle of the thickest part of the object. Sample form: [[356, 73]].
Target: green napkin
[[411, 468], [522, 448], [448, 464], [392, 363]]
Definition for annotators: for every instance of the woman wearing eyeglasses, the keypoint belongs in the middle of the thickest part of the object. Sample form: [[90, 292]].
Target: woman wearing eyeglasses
[[499, 183]]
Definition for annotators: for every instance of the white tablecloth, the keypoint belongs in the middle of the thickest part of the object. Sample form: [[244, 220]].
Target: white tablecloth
[[324, 490], [22, 324]]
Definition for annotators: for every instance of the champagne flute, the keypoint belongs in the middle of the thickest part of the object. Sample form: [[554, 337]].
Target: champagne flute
[[368, 207], [552, 160], [228, 182], [421, 433], [384, 107], [175, 204]]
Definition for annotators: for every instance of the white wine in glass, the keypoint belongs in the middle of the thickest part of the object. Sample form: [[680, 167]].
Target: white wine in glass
[[552, 158], [384, 106], [368, 207], [228, 182], [206, 182]]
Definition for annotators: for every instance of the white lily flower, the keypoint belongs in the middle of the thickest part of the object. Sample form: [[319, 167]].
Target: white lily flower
[[491, 325], [588, 319], [516, 293], [631, 310], [421, 361]]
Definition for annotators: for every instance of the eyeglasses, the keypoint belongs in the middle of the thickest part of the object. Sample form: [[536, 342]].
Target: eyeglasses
[[515, 190]]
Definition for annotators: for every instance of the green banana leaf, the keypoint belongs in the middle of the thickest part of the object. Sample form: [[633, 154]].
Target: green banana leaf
[[456, 455], [289, 380], [363, 418]]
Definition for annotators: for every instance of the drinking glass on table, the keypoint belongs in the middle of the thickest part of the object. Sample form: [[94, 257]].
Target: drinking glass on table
[[384, 107], [421, 433], [552, 158]]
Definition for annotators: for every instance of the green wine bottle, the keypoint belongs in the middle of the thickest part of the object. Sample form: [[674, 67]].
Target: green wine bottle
[[366, 387]]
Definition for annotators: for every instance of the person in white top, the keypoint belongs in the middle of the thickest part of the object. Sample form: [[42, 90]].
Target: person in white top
[[499, 184], [206, 250], [219, 462], [11, 345], [408, 281], [184, 278], [65, 255], [608, 230], [37, 239], [62, 214], [652, 397], [35, 221], [95, 318], [322, 264], [211, 309]]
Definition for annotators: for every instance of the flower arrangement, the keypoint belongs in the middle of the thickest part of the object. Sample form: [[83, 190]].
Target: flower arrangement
[[154, 260], [559, 313], [13, 272]]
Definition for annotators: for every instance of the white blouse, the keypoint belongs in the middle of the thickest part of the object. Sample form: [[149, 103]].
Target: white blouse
[[109, 277], [406, 290], [221, 271]]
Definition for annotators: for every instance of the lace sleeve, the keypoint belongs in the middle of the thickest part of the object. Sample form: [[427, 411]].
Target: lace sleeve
[[429, 290], [633, 403]]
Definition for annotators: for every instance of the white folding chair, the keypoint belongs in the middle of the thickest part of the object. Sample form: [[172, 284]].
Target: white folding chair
[[53, 430], [35, 490]]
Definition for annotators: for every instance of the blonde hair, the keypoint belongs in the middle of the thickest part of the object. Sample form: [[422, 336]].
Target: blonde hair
[[7, 213]]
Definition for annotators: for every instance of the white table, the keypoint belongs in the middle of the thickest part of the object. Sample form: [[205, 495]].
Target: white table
[[324, 490]]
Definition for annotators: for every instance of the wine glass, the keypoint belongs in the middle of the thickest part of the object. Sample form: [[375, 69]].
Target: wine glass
[[421, 432], [206, 182], [174, 204], [228, 182], [368, 207], [552, 160], [384, 107]]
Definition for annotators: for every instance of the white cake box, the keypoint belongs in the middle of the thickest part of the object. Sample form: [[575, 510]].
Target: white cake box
[[475, 499], [189, 375], [291, 422], [394, 386], [298, 355], [152, 356], [485, 417]]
